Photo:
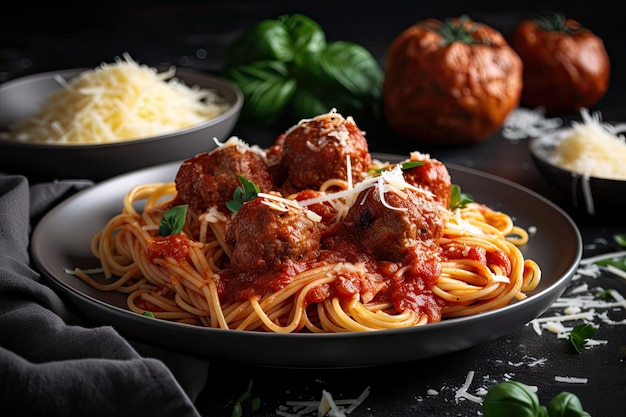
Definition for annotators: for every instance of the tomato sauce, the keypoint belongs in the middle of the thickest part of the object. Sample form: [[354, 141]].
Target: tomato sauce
[[394, 251], [172, 246]]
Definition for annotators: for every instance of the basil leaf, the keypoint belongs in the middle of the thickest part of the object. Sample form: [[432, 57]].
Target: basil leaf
[[566, 405], [411, 164], [306, 104], [173, 220], [617, 263], [307, 37], [580, 334], [346, 66], [267, 40], [267, 87], [459, 199], [247, 191], [276, 59], [404, 167], [247, 404], [512, 399]]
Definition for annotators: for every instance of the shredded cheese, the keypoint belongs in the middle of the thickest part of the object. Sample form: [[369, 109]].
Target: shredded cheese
[[462, 392], [326, 407], [523, 123], [592, 149], [117, 102], [580, 303], [571, 379]]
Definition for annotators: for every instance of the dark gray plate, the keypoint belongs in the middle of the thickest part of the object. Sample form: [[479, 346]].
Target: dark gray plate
[[62, 238]]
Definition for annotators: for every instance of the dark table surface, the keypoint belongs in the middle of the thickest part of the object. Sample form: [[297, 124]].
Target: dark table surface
[[193, 35]]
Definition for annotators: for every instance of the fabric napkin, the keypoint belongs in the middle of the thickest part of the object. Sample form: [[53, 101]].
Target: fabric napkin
[[54, 364]]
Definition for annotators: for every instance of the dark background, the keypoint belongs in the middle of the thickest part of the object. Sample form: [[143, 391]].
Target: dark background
[[194, 34], [35, 38]]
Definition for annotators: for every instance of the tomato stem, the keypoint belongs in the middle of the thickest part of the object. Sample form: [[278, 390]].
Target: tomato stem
[[555, 22], [455, 30]]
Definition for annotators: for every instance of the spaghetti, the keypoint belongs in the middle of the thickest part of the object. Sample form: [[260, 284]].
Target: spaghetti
[[383, 252]]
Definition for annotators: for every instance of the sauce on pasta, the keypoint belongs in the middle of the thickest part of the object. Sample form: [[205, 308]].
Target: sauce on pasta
[[334, 241]]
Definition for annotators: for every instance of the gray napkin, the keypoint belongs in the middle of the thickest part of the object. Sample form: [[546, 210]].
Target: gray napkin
[[51, 363]]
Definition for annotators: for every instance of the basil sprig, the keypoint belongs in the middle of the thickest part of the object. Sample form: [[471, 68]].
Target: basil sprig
[[459, 199], [173, 220], [247, 404], [247, 191], [286, 68]]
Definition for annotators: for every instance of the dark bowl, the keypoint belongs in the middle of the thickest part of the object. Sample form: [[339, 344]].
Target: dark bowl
[[22, 97], [590, 193]]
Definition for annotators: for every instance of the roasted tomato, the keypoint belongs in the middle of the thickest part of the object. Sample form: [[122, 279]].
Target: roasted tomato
[[451, 82], [566, 66]]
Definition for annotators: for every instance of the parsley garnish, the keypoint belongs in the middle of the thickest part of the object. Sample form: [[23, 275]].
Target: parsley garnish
[[173, 220], [580, 334], [245, 192], [148, 314], [459, 200]]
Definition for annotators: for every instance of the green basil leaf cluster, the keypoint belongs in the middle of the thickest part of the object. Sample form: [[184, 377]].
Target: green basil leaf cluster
[[286, 69], [514, 399], [459, 199], [247, 191], [173, 220]]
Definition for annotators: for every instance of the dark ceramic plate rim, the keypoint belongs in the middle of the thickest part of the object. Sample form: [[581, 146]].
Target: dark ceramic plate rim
[[67, 74], [54, 249]]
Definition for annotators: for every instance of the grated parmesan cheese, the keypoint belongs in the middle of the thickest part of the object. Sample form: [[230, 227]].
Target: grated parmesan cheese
[[580, 304], [326, 407], [523, 123], [117, 102], [592, 149], [571, 379]]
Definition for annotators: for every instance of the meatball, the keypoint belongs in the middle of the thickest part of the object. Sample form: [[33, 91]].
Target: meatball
[[264, 238], [315, 150], [393, 233], [210, 178], [433, 176]]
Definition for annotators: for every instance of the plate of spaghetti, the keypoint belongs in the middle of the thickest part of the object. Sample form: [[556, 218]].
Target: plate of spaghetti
[[311, 253]]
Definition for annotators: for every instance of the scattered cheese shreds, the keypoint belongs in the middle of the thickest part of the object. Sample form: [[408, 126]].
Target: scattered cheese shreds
[[571, 379], [462, 392], [523, 123], [326, 407]]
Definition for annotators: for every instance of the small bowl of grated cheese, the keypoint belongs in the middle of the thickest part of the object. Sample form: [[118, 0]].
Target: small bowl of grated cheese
[[97, 123], [586, 160]]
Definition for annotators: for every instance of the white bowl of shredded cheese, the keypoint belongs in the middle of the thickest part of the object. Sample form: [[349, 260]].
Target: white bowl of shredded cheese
[[587, 160], [97, 123]]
